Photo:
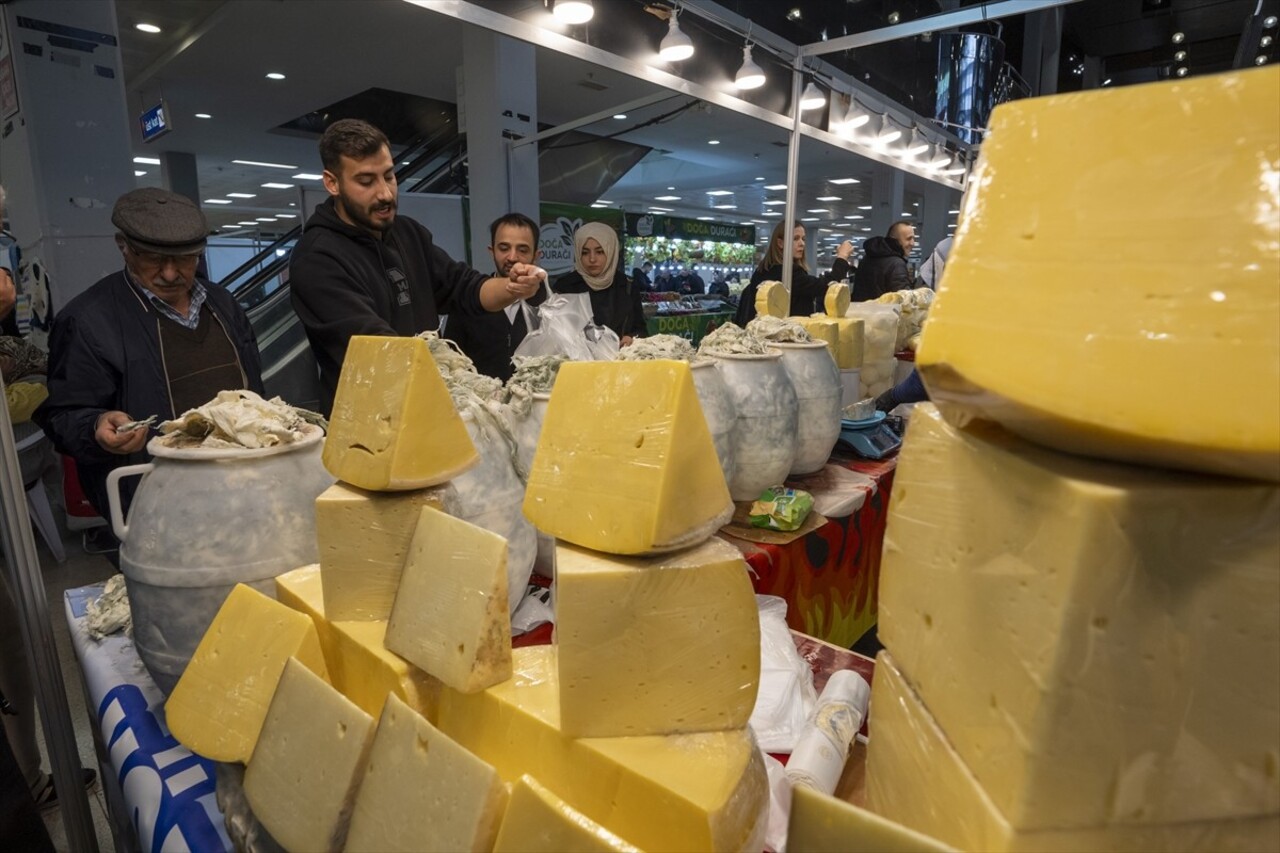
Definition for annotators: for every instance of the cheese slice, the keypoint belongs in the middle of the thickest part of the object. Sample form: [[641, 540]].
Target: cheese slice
[[394, 425], [819, 823], [1041, 602], [302, 779], [625, 463], [705, 791], [772, 300], [363, 539], [822, 328], [1141, 350], [537, 821], [836, 302], [450, 616], [916, 778], [302, 589], [849, 352], [655, 645], [217, 707], [422, 791]]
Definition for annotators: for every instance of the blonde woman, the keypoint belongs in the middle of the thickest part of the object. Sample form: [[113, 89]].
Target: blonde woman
[[807, 291], [615, 300]]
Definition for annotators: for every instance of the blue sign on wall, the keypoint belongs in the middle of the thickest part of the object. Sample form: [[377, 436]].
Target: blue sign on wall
[[154, 123]]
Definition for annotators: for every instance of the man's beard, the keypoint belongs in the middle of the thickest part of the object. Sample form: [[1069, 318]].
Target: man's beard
[[363, 217]]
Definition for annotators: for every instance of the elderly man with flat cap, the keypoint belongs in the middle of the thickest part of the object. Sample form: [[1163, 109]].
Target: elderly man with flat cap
[[152, 339]]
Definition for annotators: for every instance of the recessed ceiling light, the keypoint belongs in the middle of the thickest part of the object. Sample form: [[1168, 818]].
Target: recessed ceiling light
[[260, 163], [598, 204], [706, 218], [775, 201], [138, 173], [775, 186], [230, 226], [817, 210], [844, 181], [666, 198], [620, 116], [855, 216], [719, 192], [274, 75], [864, 207], [772, 213], [275, 186], [726, 207], [147, 28], [670, 188], [660, 210], [307, 176], [266, 219], [761, 178], [953, 211], [828, 198], [147, 161], [247, 222], [713, 141], [203, 115], [217, 201], [241, 195], [286, 215], [808, 219], [573, 11]]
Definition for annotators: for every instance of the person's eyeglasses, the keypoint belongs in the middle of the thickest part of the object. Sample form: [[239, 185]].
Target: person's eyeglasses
[[155, 259]]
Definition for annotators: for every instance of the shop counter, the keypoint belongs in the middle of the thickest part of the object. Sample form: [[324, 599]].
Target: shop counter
[[693, 326], [830, 576]]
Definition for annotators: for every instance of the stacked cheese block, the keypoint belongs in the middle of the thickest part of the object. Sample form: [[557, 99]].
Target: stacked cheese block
[[1084, 653], [841, 334], [378, 703]]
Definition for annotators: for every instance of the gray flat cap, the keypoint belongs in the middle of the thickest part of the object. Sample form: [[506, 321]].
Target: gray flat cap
[[160, 221]]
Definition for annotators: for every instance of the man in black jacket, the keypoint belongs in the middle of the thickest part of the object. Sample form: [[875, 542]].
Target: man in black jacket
[[490, 339], [884, 265], [152, 339], [361, 270]]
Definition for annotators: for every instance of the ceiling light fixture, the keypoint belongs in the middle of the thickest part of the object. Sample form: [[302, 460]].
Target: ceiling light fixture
[[147, 28], [573, 11], [274, 75], [241, 195], [1179, 37], [138, 173], [916, 146], [675, 46], [260, 163], [217, 201], [1180, 56], [713, 141], [203, 115], [1265, 41], [275, 186], [842, 181], [666, 198], [1182, 70], [307, 176], [719, 192], [940, 159], [1260, 60], [1269, 21], [147, 161], [793, 14], [620, 116], [828, 198], [775, 186], [888, 131], [812, 98], [750, 75], [246, 222]]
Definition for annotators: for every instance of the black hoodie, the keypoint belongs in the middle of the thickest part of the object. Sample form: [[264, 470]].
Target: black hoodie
[[346, 282], [884, 269]]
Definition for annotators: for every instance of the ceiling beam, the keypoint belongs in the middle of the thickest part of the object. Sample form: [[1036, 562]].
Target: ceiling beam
[[931, 24], [576, 123]]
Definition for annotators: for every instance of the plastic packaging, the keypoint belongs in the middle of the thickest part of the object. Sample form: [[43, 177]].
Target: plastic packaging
[[823, 747], [816, 379], [203, 521], [566, 326], [914, 311], [879, 342], [786, 696], [764, 431], [780, 508]]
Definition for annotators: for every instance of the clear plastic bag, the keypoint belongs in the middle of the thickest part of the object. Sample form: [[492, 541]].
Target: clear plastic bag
[[566, 326]]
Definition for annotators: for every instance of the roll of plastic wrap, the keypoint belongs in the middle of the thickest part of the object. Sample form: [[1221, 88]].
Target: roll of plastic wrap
[[820, 754]]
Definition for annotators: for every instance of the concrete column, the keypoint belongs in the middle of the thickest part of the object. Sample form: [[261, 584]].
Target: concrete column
[[178, 172], [65, 153], [499, 102], [887, 185], [1041, 49]]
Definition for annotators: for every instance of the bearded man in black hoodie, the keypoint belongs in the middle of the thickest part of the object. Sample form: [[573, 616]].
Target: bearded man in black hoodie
[[884, 267], [361, 270]]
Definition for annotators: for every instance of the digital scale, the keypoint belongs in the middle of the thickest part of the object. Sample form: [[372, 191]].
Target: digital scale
[[870, 437]]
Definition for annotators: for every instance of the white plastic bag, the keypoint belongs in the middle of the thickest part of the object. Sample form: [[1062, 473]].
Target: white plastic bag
[[786, 697], [566, 326]]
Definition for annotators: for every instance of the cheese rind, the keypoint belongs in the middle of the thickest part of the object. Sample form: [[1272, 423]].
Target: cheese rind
[[422, 791], [625, 463], [655, 645], [364, 538], [1038, 600], [772, 300], [836, 302], [710, 788], [450, 615], [819, 823], [1114, 342], [916, 778], [218, 706], [394, 425], [537, 821], [302, 779]]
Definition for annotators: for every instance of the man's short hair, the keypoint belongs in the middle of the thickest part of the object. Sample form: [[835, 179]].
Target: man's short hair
[[894, 227], [519, 220], [350, 137]]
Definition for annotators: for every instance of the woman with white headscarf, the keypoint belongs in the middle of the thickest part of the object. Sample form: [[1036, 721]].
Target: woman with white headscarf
[[615, 301]]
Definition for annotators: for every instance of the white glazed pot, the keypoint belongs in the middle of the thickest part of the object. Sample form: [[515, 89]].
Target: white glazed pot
[[719, 411], [203, 521], [816, 378], [764, 430]]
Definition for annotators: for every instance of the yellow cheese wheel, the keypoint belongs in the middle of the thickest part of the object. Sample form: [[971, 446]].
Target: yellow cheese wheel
[[837, 300], [772, 300]]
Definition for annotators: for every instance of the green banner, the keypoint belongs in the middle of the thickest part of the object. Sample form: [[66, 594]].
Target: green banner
[[671, 227], [692, 327]]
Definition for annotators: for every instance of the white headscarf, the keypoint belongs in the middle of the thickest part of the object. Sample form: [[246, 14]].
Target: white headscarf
[[608, 240]]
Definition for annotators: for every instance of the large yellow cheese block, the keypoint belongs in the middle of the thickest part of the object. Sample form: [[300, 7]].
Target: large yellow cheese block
[[625, 462], [422, 791], [822, 328], [1100, 642], [217, 707], [394, 425], [302, 589], [772, 300], [1160, 348], [537, 821], [836, 302], [849, 347], [705, 791], [363, 539], [655, 645], [916, 778], [302, 779], [450, 616], [819, 823]]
